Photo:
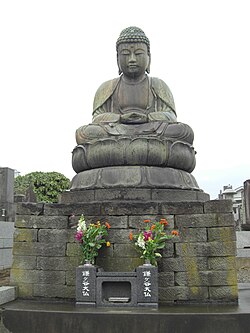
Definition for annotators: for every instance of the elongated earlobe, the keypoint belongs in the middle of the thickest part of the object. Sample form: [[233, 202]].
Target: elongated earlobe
[[119, 68], [149, 62]]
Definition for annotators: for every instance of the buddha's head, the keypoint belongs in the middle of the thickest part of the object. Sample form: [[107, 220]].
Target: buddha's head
[[133, 52]]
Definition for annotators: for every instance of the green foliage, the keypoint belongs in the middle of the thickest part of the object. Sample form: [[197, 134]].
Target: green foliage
[[91, 238], [152, 239], [46, 185]]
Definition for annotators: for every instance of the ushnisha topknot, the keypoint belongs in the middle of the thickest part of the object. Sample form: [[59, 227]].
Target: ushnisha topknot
[[133, 35]]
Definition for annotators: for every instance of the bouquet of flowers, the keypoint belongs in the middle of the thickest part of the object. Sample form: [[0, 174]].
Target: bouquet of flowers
[[91, 238], [152, 239]]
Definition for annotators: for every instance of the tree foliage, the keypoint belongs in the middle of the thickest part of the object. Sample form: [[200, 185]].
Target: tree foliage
[[46, 185]]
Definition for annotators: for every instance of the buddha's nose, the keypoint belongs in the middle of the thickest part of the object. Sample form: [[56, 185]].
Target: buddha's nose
[[132, 58]]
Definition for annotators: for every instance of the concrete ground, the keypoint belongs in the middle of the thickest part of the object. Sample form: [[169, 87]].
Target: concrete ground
[[26, 316]]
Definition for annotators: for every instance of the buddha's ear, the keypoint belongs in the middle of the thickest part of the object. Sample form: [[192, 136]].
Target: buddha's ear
[[149, 62], [119, 68]]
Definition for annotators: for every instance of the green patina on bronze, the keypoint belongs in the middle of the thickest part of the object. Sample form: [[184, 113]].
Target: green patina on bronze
[[137, 111]]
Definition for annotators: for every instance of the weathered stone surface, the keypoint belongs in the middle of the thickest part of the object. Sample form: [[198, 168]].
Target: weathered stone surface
[[170, 195], [205, 220], [191, 260], [29, 208], [24, 262], [69, 209], [218, 206], [222, 249], [57, 263], [25, 290], [193, 249], [177, 208], [119, 264], [225, 219], [55, 236], [41, 222], [224, 293], [223, 234], [192, 235], [126, 208], [119, 236], [206, 278], [217, 249], [73, 250], [125, 250], [38, 249], [166, 279], [221, 263], [71, 276], [54, 291], [37, 276], [180, 293], [123, 194], [182, 264], [168, 250], [25, 235], [77, 196], [196, 220]]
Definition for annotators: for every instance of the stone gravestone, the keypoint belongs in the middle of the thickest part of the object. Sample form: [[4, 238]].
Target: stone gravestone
[[246, 226], [7, 215], [7, 194]]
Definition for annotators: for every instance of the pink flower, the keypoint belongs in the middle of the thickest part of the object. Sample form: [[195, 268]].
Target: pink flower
[[147, 235], [78, 236]]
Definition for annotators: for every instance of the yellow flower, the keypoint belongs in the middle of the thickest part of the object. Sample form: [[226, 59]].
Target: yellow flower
[[108, 244]]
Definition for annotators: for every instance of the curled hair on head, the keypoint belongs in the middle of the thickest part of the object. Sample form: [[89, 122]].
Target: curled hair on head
[[133, 35]]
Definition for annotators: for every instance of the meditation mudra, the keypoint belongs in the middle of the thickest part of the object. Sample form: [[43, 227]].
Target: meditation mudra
[[134, 118]]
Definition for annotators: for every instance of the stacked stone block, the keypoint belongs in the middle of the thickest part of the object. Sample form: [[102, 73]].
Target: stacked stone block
[[199, 266]]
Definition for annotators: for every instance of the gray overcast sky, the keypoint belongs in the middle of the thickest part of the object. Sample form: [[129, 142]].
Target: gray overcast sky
[[55, 54]]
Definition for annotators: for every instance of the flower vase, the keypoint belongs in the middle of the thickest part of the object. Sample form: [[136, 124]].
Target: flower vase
[[87, 263], [147, 262]]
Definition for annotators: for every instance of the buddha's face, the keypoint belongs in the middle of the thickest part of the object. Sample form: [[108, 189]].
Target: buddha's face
[[133, 59]]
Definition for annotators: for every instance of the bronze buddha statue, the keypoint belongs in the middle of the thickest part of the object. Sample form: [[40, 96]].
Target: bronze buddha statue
[[134, 118]]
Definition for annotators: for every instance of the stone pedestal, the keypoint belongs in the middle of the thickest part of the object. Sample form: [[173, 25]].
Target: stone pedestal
[[198, 267]]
